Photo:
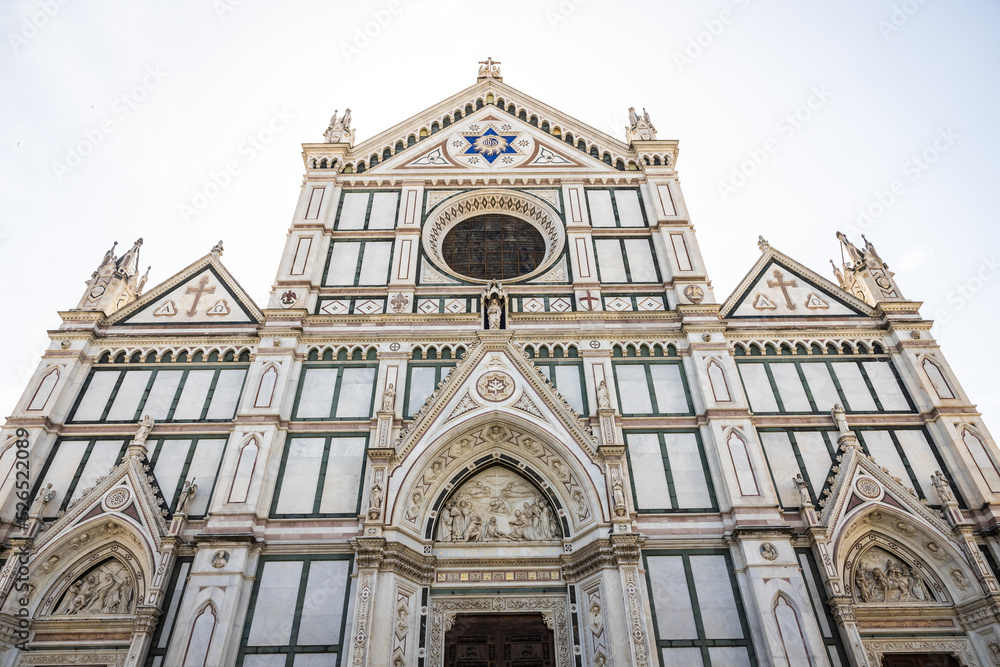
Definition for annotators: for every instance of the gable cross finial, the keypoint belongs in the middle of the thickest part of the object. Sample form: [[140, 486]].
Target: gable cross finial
[[489, 69]]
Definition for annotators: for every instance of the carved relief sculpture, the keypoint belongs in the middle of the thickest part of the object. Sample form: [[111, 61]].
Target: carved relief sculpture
[[882, 577], [497, 505], [105, 589]]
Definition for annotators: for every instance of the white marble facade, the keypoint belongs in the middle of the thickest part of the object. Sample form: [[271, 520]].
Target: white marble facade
[[788, 475]]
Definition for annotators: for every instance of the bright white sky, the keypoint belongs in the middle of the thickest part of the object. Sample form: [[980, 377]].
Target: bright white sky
[[896, 76]]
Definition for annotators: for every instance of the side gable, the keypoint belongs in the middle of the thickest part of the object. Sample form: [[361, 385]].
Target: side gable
[[778, 286], [203, 293]]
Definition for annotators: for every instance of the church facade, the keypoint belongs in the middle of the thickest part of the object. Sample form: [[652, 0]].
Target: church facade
[[494, 413]]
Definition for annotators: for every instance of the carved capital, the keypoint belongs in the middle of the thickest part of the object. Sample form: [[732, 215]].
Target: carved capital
[[145, 620], [627, 548], [370, 552], [842, 608]]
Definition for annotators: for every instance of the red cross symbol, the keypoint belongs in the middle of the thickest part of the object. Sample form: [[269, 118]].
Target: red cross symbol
[[588, 300]]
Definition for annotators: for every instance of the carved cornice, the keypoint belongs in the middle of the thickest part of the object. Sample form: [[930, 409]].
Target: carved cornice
[[403, 560], [587, 561], [975, 614]]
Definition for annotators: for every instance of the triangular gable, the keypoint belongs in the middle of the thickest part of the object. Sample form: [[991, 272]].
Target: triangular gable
[[491, 140], [125, 494], [495, 376], [203, 293], [479, 91], [778, 286]]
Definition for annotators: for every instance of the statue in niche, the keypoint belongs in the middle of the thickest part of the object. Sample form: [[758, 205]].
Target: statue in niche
[[497, 505], [375, 499], [603, 396], [621, 509], [104, 589], [882, 577], [494, 306], [389, 399]]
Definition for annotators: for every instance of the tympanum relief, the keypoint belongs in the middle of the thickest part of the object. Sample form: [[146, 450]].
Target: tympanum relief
[[497, 505], [881, 577], [105, 589]]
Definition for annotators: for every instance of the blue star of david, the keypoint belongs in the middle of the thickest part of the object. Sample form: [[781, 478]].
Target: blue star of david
[[490, 145]]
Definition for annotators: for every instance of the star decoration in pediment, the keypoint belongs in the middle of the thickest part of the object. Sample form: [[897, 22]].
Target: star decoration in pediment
[[490, 144]]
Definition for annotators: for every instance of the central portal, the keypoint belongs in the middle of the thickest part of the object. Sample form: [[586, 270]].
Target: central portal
[[499, 640]]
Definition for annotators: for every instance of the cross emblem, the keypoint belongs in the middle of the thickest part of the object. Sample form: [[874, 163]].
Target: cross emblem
[[588, 300], [198, 291], [779, 282]]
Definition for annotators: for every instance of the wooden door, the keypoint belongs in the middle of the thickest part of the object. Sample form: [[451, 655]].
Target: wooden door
[[499, 640]]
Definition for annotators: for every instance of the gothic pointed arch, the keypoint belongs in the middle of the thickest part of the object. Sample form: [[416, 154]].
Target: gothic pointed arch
[[568, 486], [106, 582]]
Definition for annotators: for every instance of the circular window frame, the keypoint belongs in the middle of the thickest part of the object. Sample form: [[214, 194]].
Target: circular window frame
[[458, 209]]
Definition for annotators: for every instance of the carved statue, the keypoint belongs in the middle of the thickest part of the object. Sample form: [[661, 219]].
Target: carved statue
[[337, 129], [493, 304], [184, 499], [621, 509], [840, 417], [803, 488], [43, 498], [942, 487], [603, 396], [389, 399], [493, 313], [145, 426], [488, 69], [375, 499], [640, 127]]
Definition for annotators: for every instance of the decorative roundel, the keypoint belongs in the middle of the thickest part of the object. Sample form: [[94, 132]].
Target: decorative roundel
[[117, 498], [495, 386], [868, 487], [483, 222]]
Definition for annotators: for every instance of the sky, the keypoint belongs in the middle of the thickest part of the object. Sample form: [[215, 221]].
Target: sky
[[794, 119]]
